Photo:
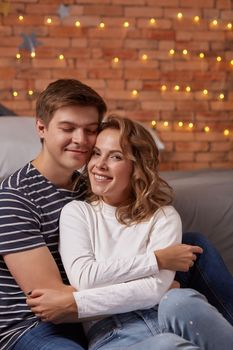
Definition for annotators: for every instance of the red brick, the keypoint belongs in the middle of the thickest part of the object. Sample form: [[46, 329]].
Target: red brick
[[177, 156], [210, 157], [176, 136], [191, 146], [141, 74], [143, 11], [192, 166], [221, 146], [198, 3], [101, 10]]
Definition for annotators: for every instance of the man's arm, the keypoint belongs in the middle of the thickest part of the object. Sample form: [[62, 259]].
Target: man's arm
[[34, 268]]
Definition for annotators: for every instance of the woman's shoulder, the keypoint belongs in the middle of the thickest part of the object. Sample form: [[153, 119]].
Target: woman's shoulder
[[166, 211]]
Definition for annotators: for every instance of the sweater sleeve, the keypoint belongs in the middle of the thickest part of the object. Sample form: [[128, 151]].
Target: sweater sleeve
[[83, 270]]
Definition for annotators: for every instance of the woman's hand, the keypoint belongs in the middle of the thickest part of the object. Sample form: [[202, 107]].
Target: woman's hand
[[179, 257], [57, 306]]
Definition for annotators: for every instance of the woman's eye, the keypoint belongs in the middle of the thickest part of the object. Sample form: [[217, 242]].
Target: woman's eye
[[67, 129], [116, 157]]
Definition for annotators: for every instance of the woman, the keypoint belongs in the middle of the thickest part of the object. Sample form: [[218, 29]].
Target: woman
[[109, 243]]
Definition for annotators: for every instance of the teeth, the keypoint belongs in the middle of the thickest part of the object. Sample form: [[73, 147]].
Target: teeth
[[99, 177]]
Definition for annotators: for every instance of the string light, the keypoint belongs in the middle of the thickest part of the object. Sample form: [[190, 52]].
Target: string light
[[180, 15], [229, 26], [221, 96], [152, 21], [30, 92], [171, 52], [180, 124], [134, 93], [18, 56], [196, 19], [176, 88], [61, 57], [49, 20], [101, 25], [33, 54], [20, 18], [185, 52], [226, 132], [164, 87], [231, 62], [190, 125], [188, 89], [115, 59], [205, 92], [201, 55], [144, 57], [207, 129], [126, 24], [153, 124], [77, 23], [15, 93], [219, 58], [214, 22], [165, 124]]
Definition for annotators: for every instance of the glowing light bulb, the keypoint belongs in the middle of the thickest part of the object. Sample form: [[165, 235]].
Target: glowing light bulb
[[180, 15], [153, 123], [49, 20], [116, 59], [21, 18], [190, 125], [229, 25], [214, 22], [18, 56], [172, 52], [219, 59], [77, 23], [176, 87], [126, 24], [33, 54], [231, 62], [102, 25], [185, 52], [61, 57], [15, 93], [221, 96], [144, 57], [180, 124], [165, 124], [30, 92], [201, 55], [152, 21], [164, 88], [207, 129], [205, 92], [134, 92], [196, 19], [188, 89], [226, 132]]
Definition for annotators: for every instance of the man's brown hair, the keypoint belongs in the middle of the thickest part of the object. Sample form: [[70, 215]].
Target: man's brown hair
[[67, 92]]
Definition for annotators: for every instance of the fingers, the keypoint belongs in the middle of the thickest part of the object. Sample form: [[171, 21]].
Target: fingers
[[196, 249]]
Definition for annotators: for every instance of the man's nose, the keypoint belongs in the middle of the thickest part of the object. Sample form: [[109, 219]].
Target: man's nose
[[79, 136]]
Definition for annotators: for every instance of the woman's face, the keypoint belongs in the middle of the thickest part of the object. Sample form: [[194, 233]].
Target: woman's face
[[109, 170]]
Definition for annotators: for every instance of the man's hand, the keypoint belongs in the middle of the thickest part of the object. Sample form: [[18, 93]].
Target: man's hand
[[57, 306], [179, 257]]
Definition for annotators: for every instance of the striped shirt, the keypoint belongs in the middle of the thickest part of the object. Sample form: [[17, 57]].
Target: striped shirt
[[30, 207]]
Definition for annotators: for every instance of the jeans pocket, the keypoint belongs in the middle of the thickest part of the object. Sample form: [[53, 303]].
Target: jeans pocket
[[102, 339]]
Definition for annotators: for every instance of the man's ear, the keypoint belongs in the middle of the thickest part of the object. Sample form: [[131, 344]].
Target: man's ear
[[40, 127]]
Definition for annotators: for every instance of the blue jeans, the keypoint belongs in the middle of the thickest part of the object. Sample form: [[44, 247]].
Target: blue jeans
[[209, 276], [47, 336], [181, 312]]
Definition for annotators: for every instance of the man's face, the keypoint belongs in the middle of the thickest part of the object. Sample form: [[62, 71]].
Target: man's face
[[69, 137]]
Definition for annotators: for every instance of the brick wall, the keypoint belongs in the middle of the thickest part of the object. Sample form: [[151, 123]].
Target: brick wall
[[131, 66]]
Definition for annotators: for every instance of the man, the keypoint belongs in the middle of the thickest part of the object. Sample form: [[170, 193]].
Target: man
[[67, 117]]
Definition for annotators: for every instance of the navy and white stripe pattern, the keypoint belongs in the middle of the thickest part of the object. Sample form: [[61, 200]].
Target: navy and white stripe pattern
[[30, 207]]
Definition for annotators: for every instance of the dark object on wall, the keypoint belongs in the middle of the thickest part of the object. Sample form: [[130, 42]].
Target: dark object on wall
[[5, 111]]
